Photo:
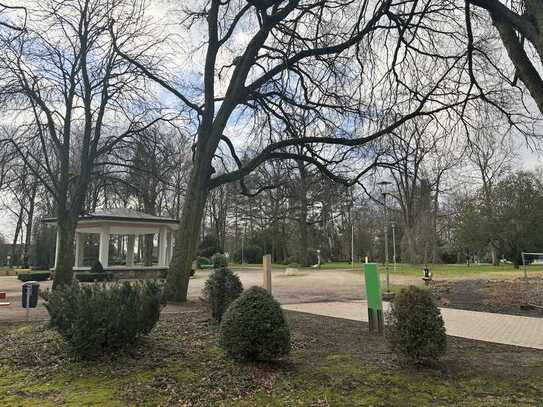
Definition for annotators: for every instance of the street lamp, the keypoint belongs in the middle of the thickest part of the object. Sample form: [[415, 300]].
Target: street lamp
[[352, 245], [393, 224], [384, 186]]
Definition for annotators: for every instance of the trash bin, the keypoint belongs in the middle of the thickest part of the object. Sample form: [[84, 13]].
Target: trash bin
[[30, 294]]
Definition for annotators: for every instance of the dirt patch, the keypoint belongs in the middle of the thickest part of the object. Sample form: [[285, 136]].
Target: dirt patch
[[499, 296], [332, 362]]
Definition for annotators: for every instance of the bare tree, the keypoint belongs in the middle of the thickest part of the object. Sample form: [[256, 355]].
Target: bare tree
[[338, 68], [72, 97], [520, 27]]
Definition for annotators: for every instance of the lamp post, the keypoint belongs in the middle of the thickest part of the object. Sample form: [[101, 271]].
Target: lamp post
[[393, 224], [384, 185], [352, 246]]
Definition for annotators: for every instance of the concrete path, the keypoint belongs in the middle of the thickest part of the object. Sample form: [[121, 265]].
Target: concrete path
[[483, 326]]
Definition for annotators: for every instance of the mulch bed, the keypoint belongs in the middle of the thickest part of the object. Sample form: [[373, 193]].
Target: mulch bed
[[499, 296], [180, 364]]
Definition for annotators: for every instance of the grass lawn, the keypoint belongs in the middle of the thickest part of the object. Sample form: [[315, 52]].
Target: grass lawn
[[438, 270], [333, 363]]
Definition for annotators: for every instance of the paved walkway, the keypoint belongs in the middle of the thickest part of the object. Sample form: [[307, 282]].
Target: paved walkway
[[483, 326]]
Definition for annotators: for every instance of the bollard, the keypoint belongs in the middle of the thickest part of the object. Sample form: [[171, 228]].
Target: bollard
[[373, 296], [267, 269]]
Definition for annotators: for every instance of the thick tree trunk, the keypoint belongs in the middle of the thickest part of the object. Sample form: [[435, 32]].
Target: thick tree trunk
[[28, 233], [411, 245], [186, 241], [65, 262], [148, 250], [18, 227]]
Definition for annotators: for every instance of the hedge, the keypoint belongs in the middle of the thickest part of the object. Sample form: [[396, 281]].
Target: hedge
[[34, 276]]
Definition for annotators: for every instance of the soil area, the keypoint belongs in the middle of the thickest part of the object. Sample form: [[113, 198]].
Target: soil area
[[332, 363], [499, 296]]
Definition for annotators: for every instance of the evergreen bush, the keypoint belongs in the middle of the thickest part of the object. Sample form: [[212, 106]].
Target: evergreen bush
[[90, 277], [34, 276], [415, 329], [219, 260], [99, 318], [254, 328], [221, 288]]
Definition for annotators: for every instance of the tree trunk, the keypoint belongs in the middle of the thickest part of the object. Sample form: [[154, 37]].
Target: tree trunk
[[148, 250], [65, 262], [411, 245], [186, 240], [18, 227], [28, 233]]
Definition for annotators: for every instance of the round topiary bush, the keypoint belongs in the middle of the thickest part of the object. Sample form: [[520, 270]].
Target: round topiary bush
[[415, 329], [219, 260], [97, 319], [220, 290], [254, 328]]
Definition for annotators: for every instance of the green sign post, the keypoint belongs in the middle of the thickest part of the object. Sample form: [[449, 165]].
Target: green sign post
[[373, 295]]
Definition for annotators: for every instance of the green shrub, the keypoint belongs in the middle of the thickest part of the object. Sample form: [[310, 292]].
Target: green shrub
[[415, 329], [34, 276], [219, 260], [203, 262], [221, 288], [254, 328], [209, 246], [98, 318], [97, 267], [89, 277]]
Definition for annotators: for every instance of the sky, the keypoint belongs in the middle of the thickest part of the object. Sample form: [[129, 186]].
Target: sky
[[527, 158]]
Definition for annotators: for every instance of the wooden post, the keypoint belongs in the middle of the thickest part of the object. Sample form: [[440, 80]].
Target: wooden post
[[267, 269]]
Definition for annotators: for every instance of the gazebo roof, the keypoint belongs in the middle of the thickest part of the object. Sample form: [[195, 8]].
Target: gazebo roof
[[120, 215]]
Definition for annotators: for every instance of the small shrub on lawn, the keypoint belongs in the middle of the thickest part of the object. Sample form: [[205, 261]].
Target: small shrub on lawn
[[34, 276], [416, 331], [219, 260], [203, 262], [254, 328], [89, 276], [98, 318], [221, 288]]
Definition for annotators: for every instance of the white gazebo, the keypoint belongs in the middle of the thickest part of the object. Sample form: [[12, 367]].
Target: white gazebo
[[126, 222]]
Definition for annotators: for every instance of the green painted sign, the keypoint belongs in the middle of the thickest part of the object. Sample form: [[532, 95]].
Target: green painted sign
[[373, 286]]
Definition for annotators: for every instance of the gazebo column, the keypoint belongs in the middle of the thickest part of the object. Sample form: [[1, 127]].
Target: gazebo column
[[57, 248], [103, 254], [130, 250], [78, 250], [162, 245], [169, 248]]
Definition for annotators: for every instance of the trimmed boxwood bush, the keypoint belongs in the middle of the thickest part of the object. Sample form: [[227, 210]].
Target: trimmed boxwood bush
[[415, 330], [99, 318], [89, 277], [221, 288], [204, 262], [34, 276], [254, 328], [219, 260]]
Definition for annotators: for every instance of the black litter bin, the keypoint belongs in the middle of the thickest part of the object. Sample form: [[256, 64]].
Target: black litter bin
[[30, 287]]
